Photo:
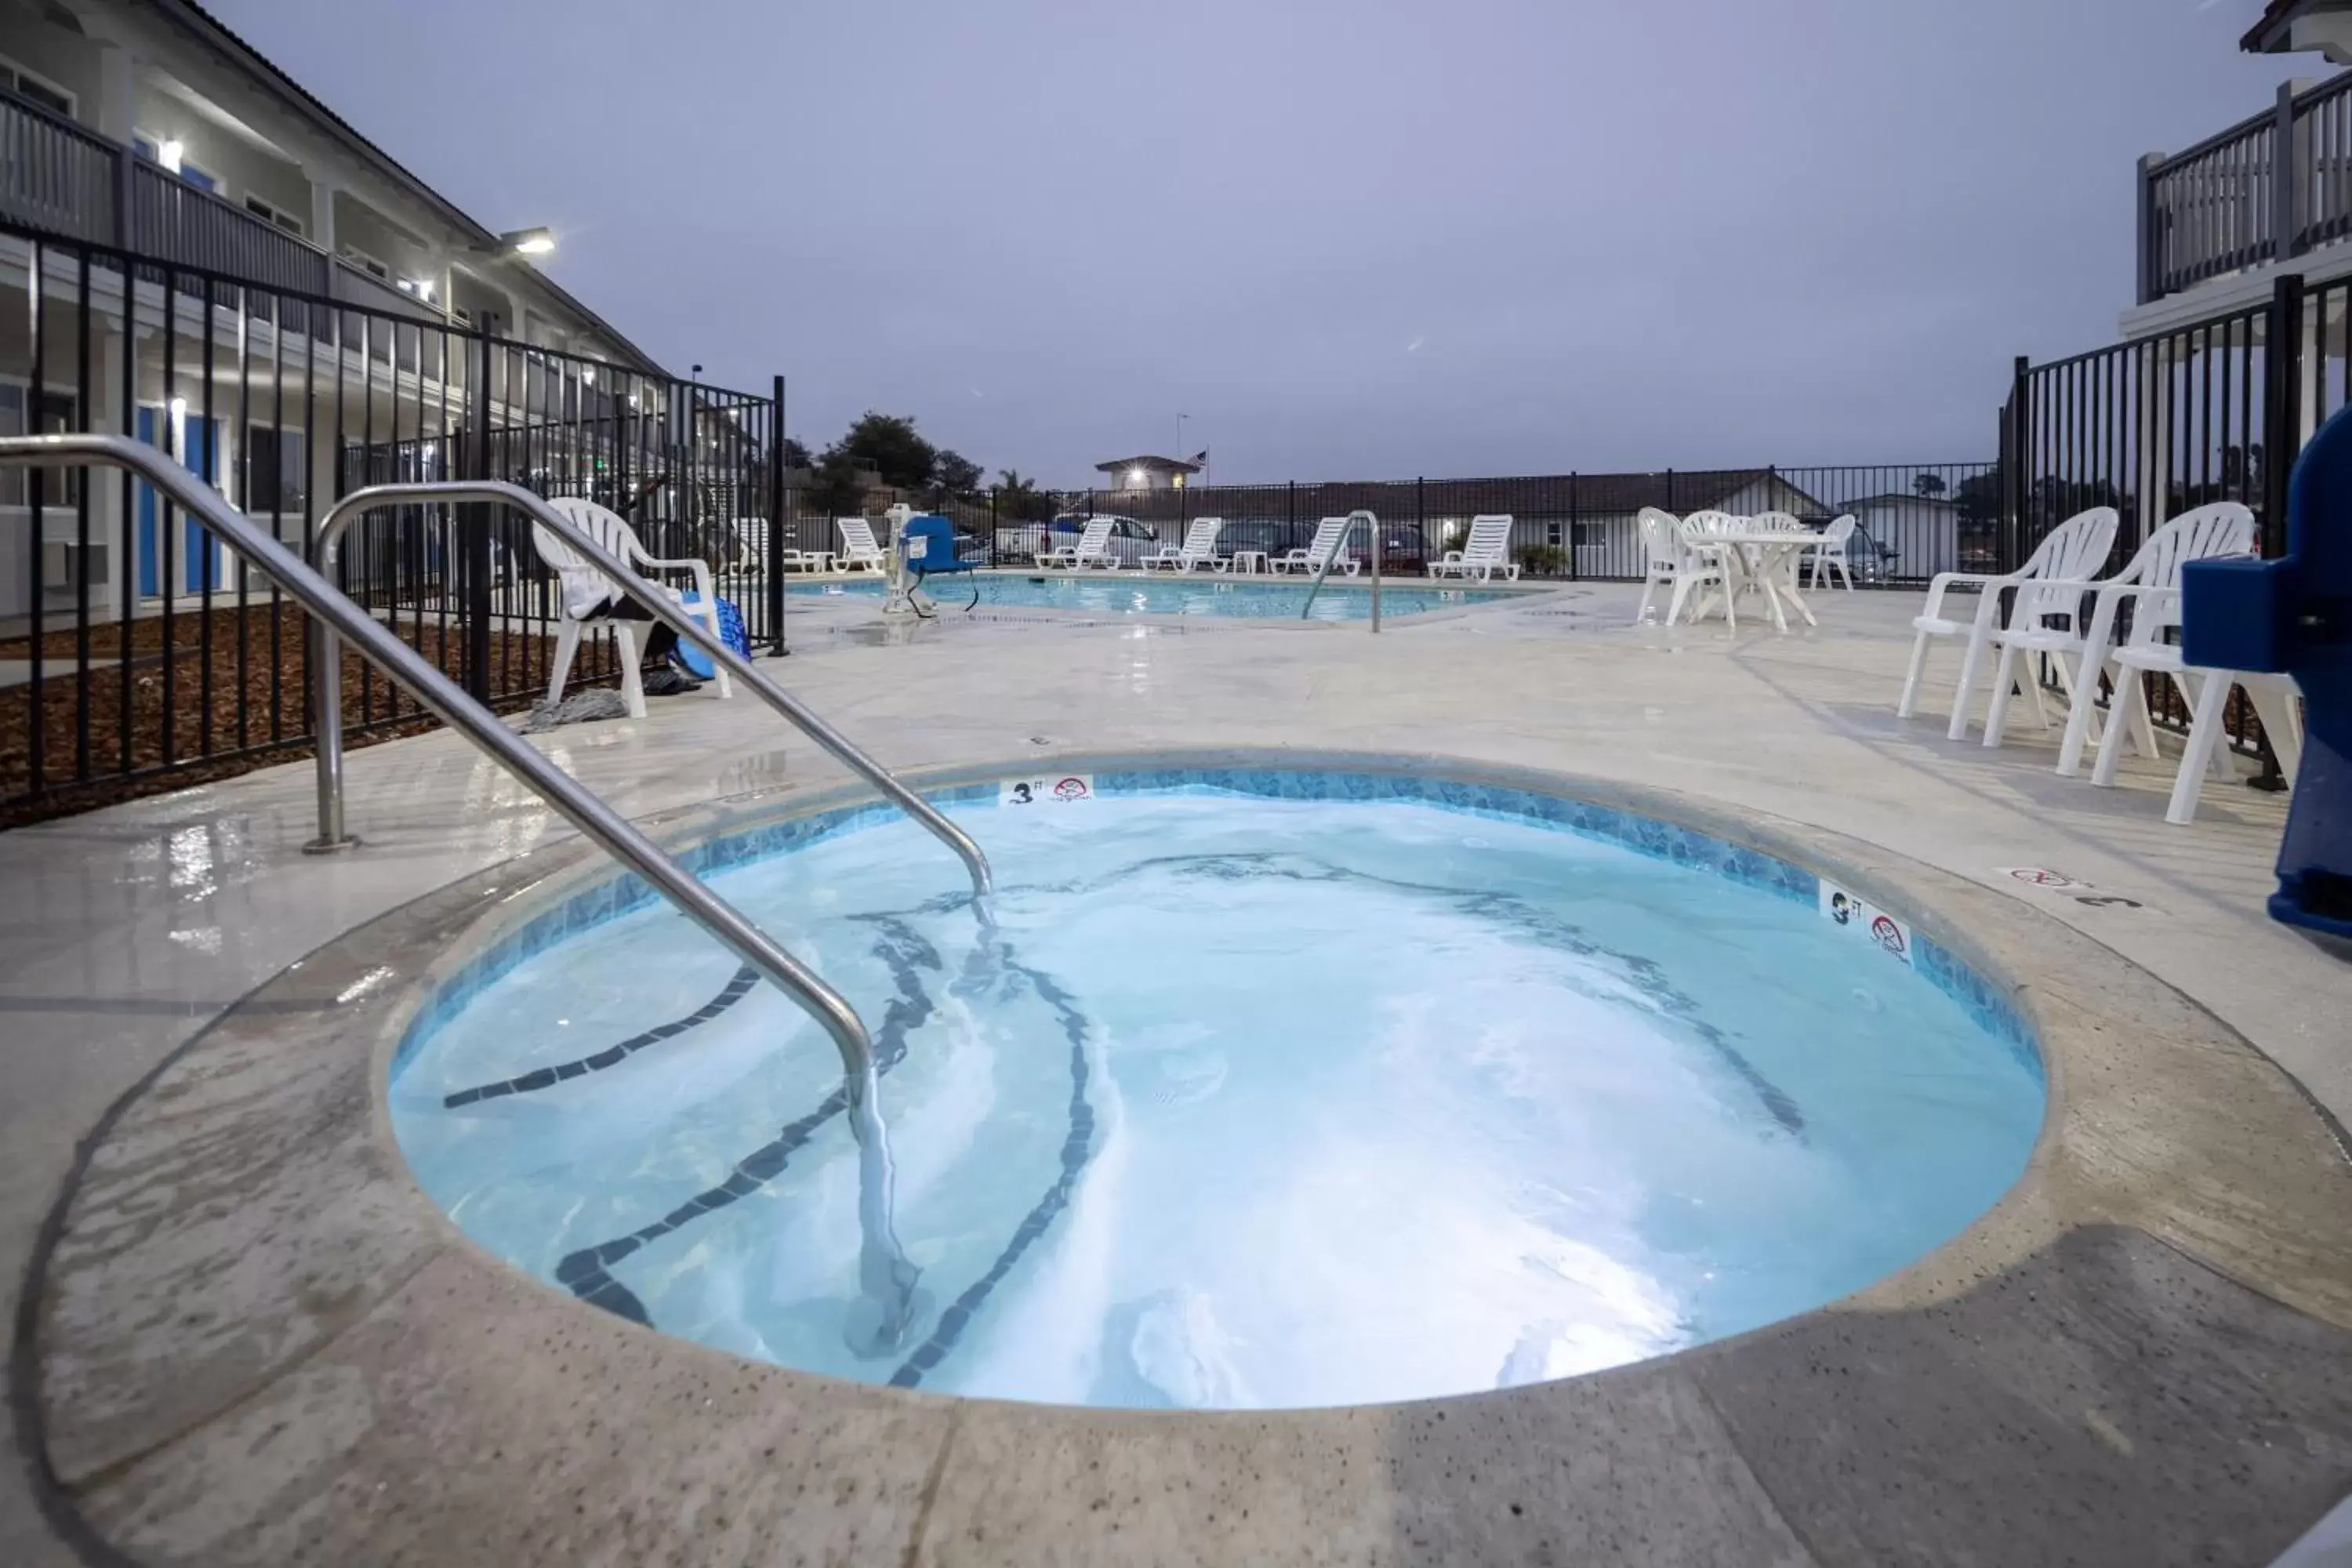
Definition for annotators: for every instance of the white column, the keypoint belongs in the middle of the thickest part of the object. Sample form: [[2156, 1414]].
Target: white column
[[322, 216], [117, 92]]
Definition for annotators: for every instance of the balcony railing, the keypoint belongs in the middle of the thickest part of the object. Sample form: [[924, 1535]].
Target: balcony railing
[[54, 175], [2268, 189], [62, 179]]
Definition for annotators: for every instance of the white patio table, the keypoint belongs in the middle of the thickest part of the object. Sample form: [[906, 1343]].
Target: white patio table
[[1761, 558]]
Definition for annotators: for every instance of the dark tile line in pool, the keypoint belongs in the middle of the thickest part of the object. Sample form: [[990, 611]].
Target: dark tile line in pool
[[1648, 836], [735, 990], [1078, 1148], [586, 1272]]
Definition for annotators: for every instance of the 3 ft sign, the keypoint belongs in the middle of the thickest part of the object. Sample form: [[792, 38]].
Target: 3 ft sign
[[1047, 789]]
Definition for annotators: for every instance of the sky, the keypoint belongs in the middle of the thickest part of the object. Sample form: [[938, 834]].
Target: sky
[[1344, 238]]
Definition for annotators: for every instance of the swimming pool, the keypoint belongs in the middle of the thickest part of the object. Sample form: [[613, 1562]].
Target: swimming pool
[[1270, 1089], [1172, 594]]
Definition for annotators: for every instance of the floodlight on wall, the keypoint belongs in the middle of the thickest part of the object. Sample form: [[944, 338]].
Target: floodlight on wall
[[1135, 475], [529, 241], [420, 286], [169, 154]]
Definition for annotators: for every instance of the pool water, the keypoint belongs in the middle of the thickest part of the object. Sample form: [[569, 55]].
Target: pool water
[[1247, 1103], [1172, 594]]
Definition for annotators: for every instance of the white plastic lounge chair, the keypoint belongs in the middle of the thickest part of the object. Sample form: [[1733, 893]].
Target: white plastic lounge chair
[[1330, 539], [859, 553], [1199, 549], [2152, 582], [1667, 563], [1486, 550], [588, 594], [1093, 548], [1833, 553], [2225, 528], [2074, 549]]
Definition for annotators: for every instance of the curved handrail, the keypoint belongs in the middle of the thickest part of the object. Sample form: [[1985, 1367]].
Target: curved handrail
[[884, 1271], [328, 712], [1339, 545]]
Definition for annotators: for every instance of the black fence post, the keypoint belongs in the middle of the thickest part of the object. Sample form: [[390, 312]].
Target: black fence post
[[1571, 528], [2015, 449], [774, 564], [2282, 406], [476, 554]]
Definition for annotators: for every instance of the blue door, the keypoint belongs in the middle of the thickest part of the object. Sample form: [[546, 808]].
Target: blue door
[[196, 561]]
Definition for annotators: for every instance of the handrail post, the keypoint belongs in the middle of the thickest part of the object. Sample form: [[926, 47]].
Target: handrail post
[[1376, 565], [2145, 184]]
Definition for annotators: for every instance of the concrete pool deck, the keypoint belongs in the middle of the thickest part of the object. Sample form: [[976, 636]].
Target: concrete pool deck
[[2147, 1360]]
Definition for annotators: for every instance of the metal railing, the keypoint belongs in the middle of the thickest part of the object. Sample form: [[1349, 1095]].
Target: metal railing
[[177, 221], [327, 688], [2269, 188], [1340, 548], [53, 173], [885, 1273]]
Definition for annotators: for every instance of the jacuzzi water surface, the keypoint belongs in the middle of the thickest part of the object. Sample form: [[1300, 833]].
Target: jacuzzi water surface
[[1271, 1090], [1172, 594]]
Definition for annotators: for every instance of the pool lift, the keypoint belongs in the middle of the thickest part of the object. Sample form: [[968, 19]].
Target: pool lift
[[889, 1304], [2294, 616]]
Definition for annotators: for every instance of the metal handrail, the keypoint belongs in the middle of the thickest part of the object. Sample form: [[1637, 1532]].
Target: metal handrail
[[884, 1271], [329, 714], [1345, 535]]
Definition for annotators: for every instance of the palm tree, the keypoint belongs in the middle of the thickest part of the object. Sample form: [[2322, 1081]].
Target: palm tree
[[1018, 498]]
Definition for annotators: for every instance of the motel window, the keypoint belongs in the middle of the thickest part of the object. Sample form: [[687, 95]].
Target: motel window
[[38, 87]]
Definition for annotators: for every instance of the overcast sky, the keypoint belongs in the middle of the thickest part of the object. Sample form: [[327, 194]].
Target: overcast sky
[[1349, 237]]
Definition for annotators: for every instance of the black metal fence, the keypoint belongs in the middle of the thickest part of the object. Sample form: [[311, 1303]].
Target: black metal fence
[[2157, 427], [142, 654], [1914, 520]]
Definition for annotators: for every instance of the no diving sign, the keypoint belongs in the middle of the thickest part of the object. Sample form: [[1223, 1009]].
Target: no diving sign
[[2074, 887]]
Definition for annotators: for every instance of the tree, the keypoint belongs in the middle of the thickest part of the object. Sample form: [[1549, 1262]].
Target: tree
[[1018, 499], [954, 473], [796, 456], [888, 445], [1929, 484]]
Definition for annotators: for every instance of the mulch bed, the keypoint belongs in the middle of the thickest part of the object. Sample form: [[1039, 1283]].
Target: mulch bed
[[131, 753]]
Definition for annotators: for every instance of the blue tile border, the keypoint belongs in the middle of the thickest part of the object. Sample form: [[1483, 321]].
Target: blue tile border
[[1986, 1002]]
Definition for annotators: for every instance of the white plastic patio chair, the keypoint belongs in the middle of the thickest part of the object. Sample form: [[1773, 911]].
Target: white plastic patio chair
[[859, 551], [1199, 549], [1719, 561], [588, 595], [1668, 563], [2074, 549], [2152, 583], [1092, 549], [1485, 550], [1330, 538], [1833, 553]]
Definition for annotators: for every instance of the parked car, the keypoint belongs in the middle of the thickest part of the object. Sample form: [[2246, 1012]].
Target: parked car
[[1130, 540], [1402, 548]]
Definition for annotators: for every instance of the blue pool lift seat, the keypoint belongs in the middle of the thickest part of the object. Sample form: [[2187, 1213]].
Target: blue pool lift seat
[[931, 547], [2294, 616]]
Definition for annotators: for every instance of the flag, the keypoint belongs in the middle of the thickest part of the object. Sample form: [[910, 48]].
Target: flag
[[1202, 456]]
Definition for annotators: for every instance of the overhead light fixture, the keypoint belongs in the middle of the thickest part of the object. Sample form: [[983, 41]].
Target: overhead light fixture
[[169, 154], [588, 375], [420, 286], [529, 241]]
